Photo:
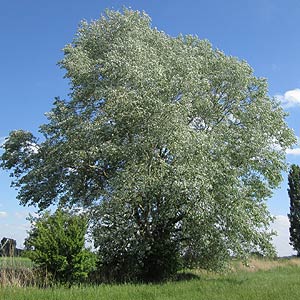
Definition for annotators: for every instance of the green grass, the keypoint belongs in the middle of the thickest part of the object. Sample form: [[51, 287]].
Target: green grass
[[16, 271], [277, 283], [15, 262]]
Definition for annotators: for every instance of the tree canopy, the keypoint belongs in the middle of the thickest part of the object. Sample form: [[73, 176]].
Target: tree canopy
[[172, 145]]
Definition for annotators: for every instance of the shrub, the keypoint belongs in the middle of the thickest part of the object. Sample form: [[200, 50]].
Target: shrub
[[56, 244]]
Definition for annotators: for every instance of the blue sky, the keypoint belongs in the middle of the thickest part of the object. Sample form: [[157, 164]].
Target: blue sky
[[265, 33]]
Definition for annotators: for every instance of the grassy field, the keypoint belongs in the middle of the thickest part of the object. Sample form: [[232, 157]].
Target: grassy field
[[15, 262], [16, 271], [262, 280]]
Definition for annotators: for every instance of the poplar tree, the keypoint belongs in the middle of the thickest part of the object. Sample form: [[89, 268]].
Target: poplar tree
[[173, 147], [294, 215]]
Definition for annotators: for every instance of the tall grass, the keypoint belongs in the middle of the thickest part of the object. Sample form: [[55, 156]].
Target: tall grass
[[276, 283], [16, 272], [256, 264], [15, 262]]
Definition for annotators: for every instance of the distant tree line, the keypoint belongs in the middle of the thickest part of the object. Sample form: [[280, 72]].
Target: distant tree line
[[8, 248]]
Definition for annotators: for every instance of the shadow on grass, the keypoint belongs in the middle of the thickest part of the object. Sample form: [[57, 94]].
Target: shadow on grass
[[185, 276], [231, 281]]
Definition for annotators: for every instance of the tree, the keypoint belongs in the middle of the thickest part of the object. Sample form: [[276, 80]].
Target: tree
[[173, 147], [294, 215], [56, 245]]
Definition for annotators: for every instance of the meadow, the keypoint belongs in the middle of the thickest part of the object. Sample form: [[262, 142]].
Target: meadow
[[15, 262], [263, 279]]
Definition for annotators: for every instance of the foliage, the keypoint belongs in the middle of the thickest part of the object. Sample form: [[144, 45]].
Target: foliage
[[173, 147], [56, 245], [294, 215]]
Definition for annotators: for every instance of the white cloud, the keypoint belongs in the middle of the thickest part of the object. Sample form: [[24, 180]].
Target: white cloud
[[281, 241], [295, 151], [3, 214], [290, 98], [14, 225]]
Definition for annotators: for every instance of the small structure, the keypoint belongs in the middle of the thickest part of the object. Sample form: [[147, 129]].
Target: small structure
[[8, 248]]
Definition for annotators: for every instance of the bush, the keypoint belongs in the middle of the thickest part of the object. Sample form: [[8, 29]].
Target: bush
[[56, 245]]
